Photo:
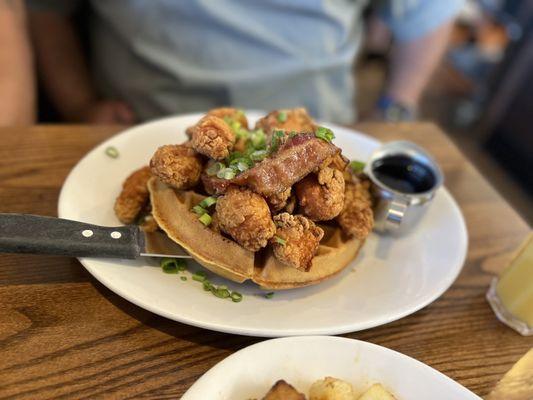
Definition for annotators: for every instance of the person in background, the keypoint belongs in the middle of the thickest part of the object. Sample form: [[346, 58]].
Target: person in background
[[17, 89], [153, 57]]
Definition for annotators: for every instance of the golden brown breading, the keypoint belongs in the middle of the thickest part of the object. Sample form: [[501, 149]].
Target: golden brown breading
[[357, 218], [278, 201], [321, 197], [245, 216], [134, 195], [283, 391], [177, 165], [301, 239], [232, 113], [296, 120], [213, 137]]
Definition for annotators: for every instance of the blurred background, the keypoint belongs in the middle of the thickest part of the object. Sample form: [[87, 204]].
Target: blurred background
[[481, 94]]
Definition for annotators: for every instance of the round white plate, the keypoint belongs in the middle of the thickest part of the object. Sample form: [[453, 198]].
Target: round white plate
[[391, 278], [250, 372]]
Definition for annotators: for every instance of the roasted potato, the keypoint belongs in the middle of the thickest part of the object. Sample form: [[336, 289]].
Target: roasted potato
[[331, 389], [283, 391], [377, 392]]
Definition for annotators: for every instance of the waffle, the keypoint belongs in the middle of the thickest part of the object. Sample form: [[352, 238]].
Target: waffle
[[172, 210]]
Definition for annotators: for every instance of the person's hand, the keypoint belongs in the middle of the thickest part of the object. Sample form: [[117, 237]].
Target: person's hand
[[109, 112]]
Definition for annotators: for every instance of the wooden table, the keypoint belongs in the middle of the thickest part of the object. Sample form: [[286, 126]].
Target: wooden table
[[64, 335]]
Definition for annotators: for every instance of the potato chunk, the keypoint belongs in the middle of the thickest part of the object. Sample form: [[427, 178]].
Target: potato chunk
[[377, 392], [283, 391], [331, 389]]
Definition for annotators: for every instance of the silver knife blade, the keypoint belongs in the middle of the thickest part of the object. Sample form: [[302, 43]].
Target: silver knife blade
[[158, 244]]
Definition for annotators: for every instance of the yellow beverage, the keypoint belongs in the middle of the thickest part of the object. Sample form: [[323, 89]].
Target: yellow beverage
[[514, 288]]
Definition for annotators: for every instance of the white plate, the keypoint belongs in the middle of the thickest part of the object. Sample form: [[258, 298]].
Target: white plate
[[389, 280], [250, 372]]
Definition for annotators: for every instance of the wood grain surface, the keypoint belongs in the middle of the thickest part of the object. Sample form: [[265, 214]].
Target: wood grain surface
[[64, 335]]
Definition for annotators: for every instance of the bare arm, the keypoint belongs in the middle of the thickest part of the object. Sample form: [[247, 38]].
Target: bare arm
[[17, 86], [65, 75], [413, 63]]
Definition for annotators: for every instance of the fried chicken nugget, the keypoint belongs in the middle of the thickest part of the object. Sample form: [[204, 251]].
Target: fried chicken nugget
[[295, 119], [213, 137], [321, 196], [245, 216], [357, 218], [177, 165], [134, 196], [233, 114], [296, 240], [279, 201]]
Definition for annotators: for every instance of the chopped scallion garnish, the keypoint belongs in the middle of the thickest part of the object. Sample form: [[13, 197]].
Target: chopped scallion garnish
[[181, 264], [199, 276], [282, 116], [279, 240], [183, 278], [205, 219], [226, 173], [215, 168], [236, 297], [357, 166], [198, 209], [112, 152], [275, 141], [169, 265], [324, 134], [269, 295], [258, 155], [208, 202]]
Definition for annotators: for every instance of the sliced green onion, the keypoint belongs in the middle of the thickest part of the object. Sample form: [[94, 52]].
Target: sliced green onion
[[279, 240], [222, 293], [282, 116], [324, 134], [181, 264], [207, 285], [208, 202], [215, 168], [357, 166], [293, 134], [205, 219], [199, 210], [269, 295], [226, 173], [275, 141], [169, 265], [112, 152], [183, 278], [236, 297], [199, 276], [258, 155], [258, 139], [242, 166]]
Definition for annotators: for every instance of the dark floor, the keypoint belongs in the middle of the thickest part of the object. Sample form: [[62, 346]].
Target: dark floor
[[439, 104]]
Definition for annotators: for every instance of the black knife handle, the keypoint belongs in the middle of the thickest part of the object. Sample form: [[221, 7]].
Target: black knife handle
[[24, 233]]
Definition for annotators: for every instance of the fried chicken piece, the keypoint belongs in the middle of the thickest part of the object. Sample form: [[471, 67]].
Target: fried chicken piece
[[177, 165], [296, 240], [245, 216], [292, 202], [321, 196], [231, 113], [283, 391], [295, 119], [134, 196], [278, 201], [213, 137], [357, 218]]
